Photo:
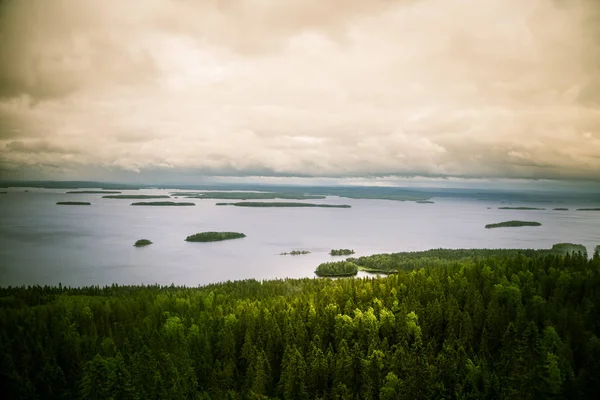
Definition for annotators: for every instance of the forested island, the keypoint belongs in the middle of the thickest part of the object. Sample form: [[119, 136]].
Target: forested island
[[560, 209], [520, 208], [513, 224], [295, 253], [588, 209], [424, 202], [282, 204], [136, 196], [93, 192], [142, 243], [341, 252], [247, 195], [73, 203], [337, 269], [162, 203], [476, 324], [214, 236]]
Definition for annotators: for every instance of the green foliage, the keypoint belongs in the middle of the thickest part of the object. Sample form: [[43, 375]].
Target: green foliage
[[341, 252], [281, 204], [470, 324], [142, 242], [560, 209], [588, 209], [512, 224], [74, 203], [337, 268], [162, 203], [564, 248], [295, 253], [214, 236], [424, 202]]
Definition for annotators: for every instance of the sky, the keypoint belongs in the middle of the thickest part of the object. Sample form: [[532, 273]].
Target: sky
[[348, 90]]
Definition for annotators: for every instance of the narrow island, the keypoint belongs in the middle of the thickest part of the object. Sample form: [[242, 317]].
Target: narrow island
[[74, 203], [588, 209], [295, 253], [520, 208], [560, 209], [512, 224], [338, 268], [214, 236], [341, 252], [142, 243], [282, 204], [137, 196], [424, 202], [93, 192], [247, 195], [162, 203]]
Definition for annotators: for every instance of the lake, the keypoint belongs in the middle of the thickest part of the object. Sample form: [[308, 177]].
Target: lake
[[43, 243]]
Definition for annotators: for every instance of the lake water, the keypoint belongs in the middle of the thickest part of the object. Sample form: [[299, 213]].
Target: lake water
[[43, 243]]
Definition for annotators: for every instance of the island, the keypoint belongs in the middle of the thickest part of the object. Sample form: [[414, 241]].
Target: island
[[74, 203], [512, 224], [295, 253], [93, 192], [424, 202], [588, 209], [162, 203], [247, 195], [341, 252], [564, 248], [520, 208], [142, 243], [560, 209], [137, 196], [339, 268], [214, 236], [282, 204]]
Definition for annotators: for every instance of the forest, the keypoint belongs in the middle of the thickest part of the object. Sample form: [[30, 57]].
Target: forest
[[163, 203], [341, 252], [73, 203], [512, 224], [450, 324], [281, 204]]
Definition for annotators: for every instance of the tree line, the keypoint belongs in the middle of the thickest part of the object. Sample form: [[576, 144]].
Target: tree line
[[496, 326]]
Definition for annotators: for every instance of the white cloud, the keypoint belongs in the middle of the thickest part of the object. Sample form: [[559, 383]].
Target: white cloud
[[502, 88]]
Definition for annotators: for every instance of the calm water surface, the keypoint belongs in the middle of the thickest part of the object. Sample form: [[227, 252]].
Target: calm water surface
[[43, 243]]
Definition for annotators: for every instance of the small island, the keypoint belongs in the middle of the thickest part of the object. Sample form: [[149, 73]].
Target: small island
[[162, 203], [247, 195], [341, 252], [520, 208], [93, 192], [74, 203], [295, 253], [424, 202], [564, 248], [512, 224], [137, 196], [560, 209], [339, 268], [281, 204], [588, 209], [214, 236], [142, 243]]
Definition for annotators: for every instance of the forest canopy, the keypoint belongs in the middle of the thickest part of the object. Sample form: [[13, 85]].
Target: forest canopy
[[476, 324]]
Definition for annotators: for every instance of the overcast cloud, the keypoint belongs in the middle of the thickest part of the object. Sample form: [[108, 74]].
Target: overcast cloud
[[438, 88]]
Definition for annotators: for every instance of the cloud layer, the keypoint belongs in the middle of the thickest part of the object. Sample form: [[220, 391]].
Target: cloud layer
[[441, 88]]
